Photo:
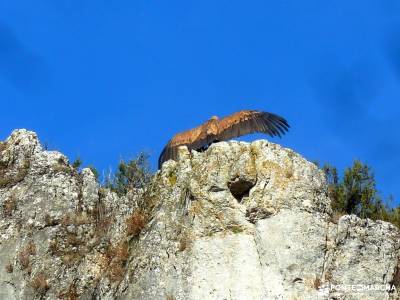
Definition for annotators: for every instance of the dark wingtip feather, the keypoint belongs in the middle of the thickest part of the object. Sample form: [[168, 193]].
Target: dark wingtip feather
[[276, 130], [167, 154], [277, 122], [161, 158], [284, 123]]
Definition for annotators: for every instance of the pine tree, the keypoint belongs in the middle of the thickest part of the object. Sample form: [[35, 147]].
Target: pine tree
[[357, 194]]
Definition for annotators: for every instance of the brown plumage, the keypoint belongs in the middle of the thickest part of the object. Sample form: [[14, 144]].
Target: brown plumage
[[235, 125]]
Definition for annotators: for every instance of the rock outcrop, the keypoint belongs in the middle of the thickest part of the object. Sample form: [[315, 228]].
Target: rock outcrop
[[238, 221]]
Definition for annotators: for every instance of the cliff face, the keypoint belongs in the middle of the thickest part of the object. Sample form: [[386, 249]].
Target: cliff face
[[239, 221]]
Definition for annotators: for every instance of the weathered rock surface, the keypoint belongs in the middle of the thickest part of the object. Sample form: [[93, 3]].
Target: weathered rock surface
[[239, 221]]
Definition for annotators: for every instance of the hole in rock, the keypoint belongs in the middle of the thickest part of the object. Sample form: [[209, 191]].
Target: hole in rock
[[240, 188]]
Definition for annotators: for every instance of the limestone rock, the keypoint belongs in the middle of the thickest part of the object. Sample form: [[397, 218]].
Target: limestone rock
[[238, 221]]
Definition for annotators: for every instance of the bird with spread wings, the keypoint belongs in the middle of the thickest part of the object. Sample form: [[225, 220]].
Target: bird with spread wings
[[215, 130]]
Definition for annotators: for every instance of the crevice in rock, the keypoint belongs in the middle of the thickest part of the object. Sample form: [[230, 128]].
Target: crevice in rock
[[297, 280], [326, 257], [258, 245], [254, 214], [184, 203], [396, 277], [216, 189], [240, 188], [260, 251], [50, 222]]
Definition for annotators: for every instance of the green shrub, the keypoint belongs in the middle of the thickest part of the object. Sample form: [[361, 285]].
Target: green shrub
[[133, 174], [356, 193], [94, 171], [77, 163]]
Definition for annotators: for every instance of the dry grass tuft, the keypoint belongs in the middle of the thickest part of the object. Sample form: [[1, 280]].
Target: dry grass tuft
[[71, 248], [102, 226], [66, 220], [81, 218], [99, 216], [289, 173], [75, 218], [24, 256], [9, 206], [317, 283], [117, 257], [31, 248], [328, 276], [115, 272], [135, 223], [69, 258], [39, 283], [73, 240], [9, 268], [49, 221], [336, 216], [121, 252], [7, 181], [184, 243], [70, 294], [24, 260], [54, 247]]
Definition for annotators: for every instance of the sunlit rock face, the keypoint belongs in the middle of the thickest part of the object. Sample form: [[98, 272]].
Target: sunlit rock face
[[238, 221]]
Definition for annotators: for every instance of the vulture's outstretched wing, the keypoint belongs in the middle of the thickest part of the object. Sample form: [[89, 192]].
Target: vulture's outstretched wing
[[251, 121], [238, 124], [193, 139]]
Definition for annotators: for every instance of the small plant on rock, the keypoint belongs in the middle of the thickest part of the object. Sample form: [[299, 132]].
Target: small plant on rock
[[40, 283], [135, 223]]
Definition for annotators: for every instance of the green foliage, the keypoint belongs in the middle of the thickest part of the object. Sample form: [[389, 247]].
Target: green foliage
[[395, 216], [77, 163], [356, 193], [133, 174], [94, 171]]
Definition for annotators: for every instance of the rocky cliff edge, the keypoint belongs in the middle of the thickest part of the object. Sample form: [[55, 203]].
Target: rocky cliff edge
[[238, 221]]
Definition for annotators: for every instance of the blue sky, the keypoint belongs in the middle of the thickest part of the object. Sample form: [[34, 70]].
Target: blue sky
[[104, 80]]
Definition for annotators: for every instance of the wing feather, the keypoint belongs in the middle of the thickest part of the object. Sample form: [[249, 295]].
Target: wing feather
[[169, 152], [193, 139], [251, 121]]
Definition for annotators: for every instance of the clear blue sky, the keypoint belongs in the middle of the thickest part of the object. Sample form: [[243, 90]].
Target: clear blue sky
[[104, 80]]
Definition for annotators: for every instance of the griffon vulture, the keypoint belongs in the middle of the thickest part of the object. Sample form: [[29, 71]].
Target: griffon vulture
[[215, 130]]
